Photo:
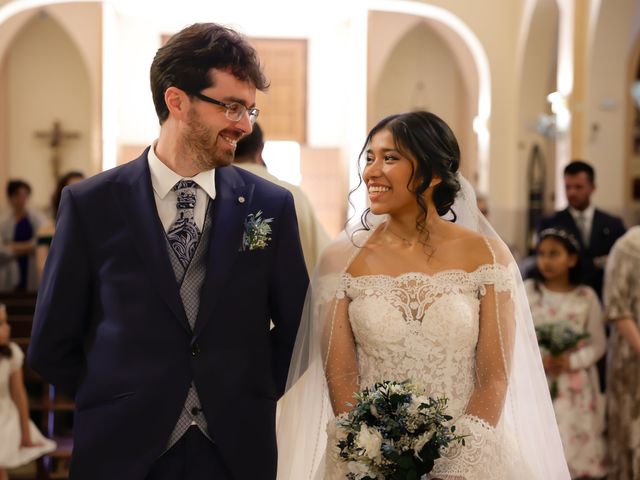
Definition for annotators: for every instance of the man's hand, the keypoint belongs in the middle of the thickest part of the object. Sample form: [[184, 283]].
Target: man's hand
[[600, 262]]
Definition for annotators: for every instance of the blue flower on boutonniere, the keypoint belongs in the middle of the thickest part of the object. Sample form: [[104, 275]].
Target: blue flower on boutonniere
[[257, 232]]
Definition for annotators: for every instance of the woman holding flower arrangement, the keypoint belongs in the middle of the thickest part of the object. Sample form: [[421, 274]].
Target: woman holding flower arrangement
[[568, 320], [416, 356]]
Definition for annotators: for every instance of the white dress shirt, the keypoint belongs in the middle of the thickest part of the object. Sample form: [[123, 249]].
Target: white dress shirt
[[588, 219], [163, 179]]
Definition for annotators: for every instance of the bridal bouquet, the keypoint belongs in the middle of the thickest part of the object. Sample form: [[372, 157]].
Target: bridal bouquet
[[557, 339], [394, 432]]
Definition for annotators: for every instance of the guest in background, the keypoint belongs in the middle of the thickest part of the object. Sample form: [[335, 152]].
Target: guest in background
[[45, 234], [622, 310], [18, 235], [20, 440], [8, 268], [595, 230], [312, 236], [556, 295], [483, 204], [67, 179]]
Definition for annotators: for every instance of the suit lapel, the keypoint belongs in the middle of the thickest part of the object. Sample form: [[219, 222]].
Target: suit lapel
[[233, 199], [137, 205], [597, 229]]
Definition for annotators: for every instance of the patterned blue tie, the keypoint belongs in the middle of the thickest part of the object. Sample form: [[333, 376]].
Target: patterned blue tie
[[183, 235]]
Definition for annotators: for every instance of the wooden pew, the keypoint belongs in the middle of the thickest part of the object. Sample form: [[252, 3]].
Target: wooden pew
[[47, 407]]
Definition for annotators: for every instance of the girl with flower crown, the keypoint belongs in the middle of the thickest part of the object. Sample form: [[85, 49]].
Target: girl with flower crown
[[557, 297]]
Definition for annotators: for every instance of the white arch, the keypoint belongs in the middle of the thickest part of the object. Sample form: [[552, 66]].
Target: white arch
[[104, 110], [14, 8], [481, 122]]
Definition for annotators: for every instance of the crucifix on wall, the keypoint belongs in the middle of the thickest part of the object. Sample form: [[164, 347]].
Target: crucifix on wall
[[55, 137]]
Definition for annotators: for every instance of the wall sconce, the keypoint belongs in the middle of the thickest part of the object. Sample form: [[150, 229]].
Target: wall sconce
[[561, 111], [558, 123], [480, 128]]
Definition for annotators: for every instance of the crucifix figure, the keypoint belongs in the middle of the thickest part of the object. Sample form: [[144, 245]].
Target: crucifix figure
[[56, 136]]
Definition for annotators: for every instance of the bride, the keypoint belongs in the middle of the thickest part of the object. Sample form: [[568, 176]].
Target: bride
[[422, 289]]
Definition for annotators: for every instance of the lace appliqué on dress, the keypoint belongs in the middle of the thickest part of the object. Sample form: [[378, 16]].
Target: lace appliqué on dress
[[484, 454], [424, 328]]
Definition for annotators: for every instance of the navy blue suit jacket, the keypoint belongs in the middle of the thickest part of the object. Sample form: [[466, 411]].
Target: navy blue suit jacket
[[110, 328], [605, 230]]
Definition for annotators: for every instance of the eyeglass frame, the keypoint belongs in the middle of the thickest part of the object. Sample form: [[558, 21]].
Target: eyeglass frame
[[253, 112]]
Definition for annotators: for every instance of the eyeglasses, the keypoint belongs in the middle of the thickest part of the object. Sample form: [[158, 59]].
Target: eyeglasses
[[234, 111]]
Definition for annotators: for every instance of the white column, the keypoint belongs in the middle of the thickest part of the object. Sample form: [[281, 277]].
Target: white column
[[559, 99], [356, 107], [109, 87]]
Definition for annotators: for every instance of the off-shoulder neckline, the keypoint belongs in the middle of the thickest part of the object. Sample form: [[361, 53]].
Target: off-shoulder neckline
[[430, 275]]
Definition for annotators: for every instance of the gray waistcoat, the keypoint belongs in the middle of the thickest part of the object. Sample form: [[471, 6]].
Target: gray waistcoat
[[190, 283]]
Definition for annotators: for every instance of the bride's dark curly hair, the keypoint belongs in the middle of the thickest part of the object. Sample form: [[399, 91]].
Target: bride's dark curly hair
[[428, 139]]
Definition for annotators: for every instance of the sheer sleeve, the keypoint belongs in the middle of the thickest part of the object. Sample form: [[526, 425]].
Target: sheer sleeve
[[484, 448], [341, 365], [495, 342], [596, 343], [493, 355]]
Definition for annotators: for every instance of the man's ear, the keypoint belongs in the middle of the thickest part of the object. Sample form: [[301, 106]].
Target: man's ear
[[178, 102]]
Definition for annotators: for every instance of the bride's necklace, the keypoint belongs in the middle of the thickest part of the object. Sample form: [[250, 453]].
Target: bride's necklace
[[405, 241]]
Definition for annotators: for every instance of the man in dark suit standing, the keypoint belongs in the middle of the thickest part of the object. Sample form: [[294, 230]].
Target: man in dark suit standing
[[596, 230], [162, 281]]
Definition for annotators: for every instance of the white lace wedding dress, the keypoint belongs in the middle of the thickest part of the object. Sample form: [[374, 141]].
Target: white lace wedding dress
[[425, 328]]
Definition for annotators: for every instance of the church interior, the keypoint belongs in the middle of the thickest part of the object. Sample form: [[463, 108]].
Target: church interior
[[527, 86]]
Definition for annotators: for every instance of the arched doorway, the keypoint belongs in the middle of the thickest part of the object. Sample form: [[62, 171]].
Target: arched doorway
[[537, 130], [467, 57], [421, 73], [50, 70]]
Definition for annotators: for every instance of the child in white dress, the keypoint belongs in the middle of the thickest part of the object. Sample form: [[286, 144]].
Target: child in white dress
[[20, 440], [556, 295]]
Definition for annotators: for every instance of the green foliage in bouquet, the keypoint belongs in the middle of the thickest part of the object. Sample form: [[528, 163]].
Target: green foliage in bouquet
[[394, 432], [557, 339]]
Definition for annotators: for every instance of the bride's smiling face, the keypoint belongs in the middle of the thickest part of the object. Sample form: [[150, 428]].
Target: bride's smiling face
[[388, 175]]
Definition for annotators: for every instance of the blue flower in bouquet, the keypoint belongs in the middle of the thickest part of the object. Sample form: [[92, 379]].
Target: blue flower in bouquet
[[394, 431]]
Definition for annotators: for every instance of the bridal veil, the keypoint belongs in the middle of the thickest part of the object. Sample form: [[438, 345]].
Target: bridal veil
[[526, 415]]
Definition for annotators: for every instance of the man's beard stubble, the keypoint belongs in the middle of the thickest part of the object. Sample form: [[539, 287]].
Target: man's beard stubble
[[199, 143]]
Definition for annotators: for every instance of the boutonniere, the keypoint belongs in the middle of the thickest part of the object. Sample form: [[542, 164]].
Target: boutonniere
[[257, 232]]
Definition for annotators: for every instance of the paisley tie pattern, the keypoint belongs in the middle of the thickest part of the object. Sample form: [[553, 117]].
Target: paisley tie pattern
[[183, 235]]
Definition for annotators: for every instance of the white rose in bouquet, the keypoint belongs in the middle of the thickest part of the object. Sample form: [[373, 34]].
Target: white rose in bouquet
[[370, 441]]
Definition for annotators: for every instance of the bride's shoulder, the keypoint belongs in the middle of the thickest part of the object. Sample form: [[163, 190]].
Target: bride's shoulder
[[475, 249]]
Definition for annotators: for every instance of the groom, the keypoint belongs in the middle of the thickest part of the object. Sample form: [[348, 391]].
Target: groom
[[162, 281]]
